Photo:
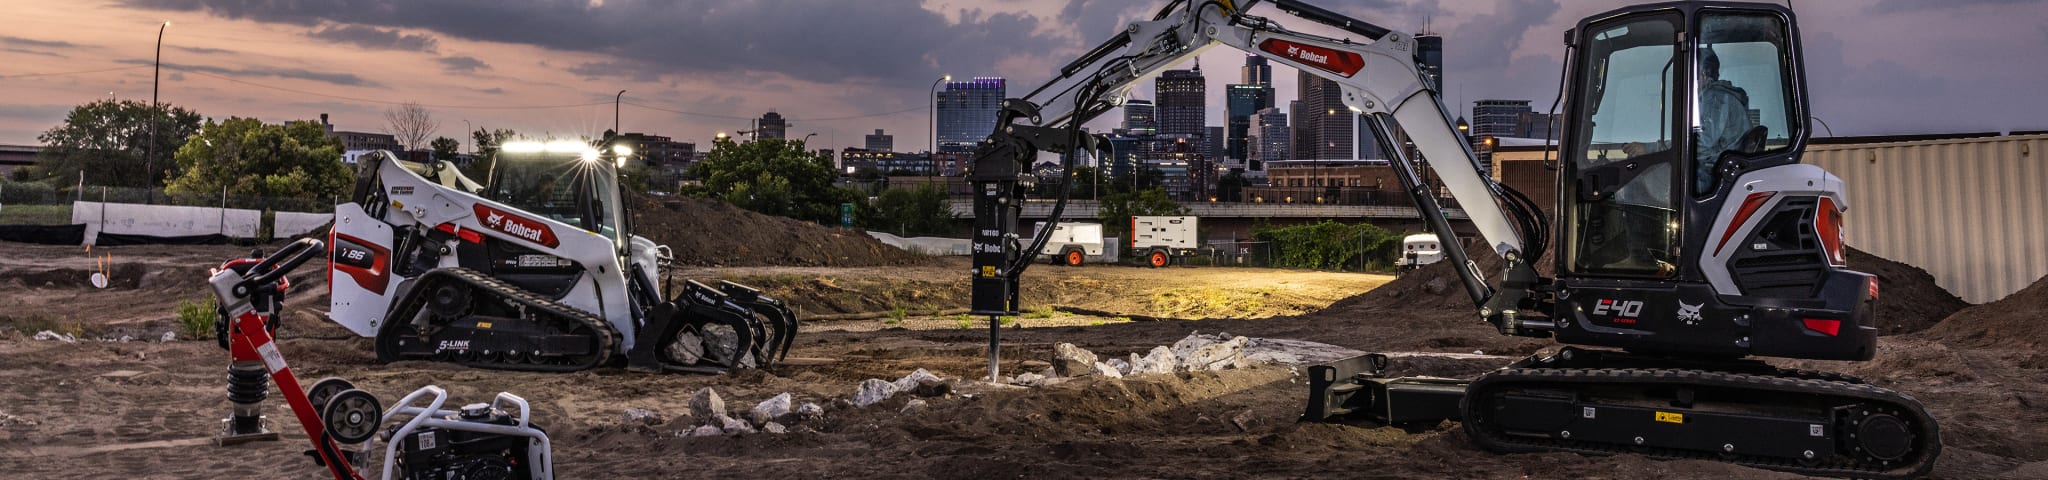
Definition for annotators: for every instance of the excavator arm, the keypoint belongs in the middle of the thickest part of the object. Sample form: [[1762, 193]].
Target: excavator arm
[[1380, 80]]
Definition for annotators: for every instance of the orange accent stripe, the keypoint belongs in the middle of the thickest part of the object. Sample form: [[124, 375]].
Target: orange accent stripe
[[1749, 207]]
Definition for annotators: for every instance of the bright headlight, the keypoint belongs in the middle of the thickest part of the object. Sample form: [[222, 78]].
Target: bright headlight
[[523, 147], [622, 150], [567, 146]]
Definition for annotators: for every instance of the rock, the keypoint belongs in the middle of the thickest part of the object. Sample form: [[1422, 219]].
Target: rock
[[1437, 286], [810, 411], [1243, 421], [1188, 345], [169, 337], [1122, 367], [873, 391], [641, 416], [770, 410], [1106, 371], [706, 407], [49, 335], [687, 348], [1028, 379], [126, 338], [734, 426], [916, 405], [775, 428], [707, 431], [914, 379], [1215, 356], [1159, 361], [1069, 360]]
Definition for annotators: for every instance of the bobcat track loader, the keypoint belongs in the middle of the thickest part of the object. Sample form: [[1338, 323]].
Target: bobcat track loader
[[535, 270]]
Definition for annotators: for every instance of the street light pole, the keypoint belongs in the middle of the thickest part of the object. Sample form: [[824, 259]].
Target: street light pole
[[934, 119], [149, 158], [615, 111], [472, 134]]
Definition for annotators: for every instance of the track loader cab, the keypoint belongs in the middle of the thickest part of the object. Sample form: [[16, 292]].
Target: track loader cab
[[1688, 225], [563, 181]]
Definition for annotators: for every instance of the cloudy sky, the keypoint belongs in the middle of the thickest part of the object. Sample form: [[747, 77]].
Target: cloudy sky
[[692, 68]]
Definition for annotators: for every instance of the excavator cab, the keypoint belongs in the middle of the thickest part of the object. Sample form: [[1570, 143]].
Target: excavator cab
[[1688, 226]]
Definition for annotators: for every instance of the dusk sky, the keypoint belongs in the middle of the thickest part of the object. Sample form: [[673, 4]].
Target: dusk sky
[[839, 68]]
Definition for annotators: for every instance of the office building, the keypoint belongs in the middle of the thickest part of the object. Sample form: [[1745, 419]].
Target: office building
[[1182, 101], [1497, 118], [1324, 120], [1271, 139], [967, 112], [771, 125], [1141, 117], [882, 142]]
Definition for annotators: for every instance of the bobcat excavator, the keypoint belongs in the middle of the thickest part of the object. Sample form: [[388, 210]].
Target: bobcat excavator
[[536, 270], [1690, 238]]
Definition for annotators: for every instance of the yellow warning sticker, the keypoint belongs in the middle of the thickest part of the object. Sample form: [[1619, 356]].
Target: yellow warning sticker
[[988, 271], [488, 325], [1669, 417]]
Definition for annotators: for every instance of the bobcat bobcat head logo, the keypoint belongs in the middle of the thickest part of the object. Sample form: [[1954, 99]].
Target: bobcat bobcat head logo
[[1690, 314]]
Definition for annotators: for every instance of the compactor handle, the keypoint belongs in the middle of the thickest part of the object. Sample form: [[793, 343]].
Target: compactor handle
[[273, 268]]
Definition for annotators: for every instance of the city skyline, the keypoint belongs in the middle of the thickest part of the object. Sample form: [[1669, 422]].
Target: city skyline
[[293, 62]]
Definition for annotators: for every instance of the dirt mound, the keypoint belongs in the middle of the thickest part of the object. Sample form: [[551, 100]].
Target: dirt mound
[[2010, 322], [713, 233], [1908, 299]]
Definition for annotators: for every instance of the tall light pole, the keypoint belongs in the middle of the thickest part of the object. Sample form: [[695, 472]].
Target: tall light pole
[[149, 158], [934, 119], [472, 135], [615, 111]]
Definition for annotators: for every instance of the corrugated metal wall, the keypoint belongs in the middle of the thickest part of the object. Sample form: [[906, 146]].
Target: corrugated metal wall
[[1974, 212]]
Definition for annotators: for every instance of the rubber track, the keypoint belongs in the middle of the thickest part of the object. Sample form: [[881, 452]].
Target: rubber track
[[1835, 386], [608, 341]]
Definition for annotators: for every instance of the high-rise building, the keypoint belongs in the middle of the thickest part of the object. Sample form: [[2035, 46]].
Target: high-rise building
[[1271, 138], [1141, 117], [1243, 100], [771, 125], [1299, 140], [1497, 118], [1429, 56], [967, 112], [1183, 101], [882, 142], [1324, 119], [1257, 71]]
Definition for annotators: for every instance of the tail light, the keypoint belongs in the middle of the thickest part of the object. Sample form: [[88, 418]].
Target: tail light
[[1828, 224], [1826, 326], [1873, 288]]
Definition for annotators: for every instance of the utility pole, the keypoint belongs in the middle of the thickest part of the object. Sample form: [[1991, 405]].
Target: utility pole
[[149, 158]]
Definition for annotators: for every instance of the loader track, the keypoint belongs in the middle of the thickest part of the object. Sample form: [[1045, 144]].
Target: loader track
[[394, 338], [1840, 393]]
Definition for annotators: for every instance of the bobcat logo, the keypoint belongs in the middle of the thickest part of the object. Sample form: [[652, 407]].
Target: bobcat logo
[[494, 219], [1690, 314]]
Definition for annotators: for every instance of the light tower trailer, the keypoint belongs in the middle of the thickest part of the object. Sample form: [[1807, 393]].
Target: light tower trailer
[[1159, 241]]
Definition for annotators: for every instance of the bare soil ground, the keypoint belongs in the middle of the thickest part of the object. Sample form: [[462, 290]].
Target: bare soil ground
[[99, 409]]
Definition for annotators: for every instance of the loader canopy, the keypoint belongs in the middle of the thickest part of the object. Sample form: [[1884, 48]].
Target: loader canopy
[[561, 186]]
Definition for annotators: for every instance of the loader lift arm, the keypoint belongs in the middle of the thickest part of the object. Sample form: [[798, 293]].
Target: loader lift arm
[[1380, 79]]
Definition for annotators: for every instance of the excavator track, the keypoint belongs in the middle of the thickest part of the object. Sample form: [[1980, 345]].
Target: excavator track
[[477, 321], [1811, 423]]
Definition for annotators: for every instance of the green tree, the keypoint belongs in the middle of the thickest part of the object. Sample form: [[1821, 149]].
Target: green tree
[[486, 156], [1330, 245], [774, 177], [247, 157], [445, 148], [920, 211], [1230, 188], [109, 142], [1118, 208]]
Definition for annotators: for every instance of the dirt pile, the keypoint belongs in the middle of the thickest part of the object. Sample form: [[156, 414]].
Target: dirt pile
[[2010, 322], [1908, 299], [713, 233]]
